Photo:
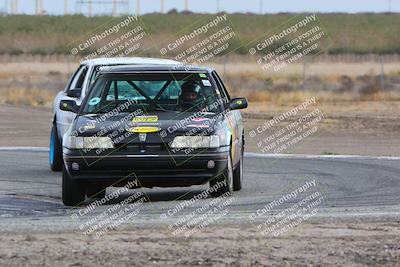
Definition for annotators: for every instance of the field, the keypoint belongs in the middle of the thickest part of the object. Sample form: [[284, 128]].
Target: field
[[359, 33], [34, 80]]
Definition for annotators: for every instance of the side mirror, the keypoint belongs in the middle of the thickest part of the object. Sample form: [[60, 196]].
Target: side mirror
[[238, 103], [76, 92], [69, 105]]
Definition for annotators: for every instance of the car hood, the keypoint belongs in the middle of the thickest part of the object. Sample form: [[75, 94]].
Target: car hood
[[159, 126]]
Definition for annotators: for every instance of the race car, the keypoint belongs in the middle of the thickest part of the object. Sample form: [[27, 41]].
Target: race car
[[76, 90], [158, 125]]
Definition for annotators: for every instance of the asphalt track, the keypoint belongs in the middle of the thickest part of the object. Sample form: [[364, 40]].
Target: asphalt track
[[351, 186]]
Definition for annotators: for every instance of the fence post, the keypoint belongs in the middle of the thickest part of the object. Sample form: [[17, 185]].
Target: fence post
[[382, 73]]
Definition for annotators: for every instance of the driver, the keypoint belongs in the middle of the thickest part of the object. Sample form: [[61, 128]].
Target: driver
[[189, 98]]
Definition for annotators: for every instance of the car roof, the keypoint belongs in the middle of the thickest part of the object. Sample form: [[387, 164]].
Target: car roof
[[129, 60], [155, 68]]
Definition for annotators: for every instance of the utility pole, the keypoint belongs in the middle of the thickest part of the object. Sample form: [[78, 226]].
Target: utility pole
[[162, 6], [261, 7], [39, 7], [186, 5], [90, 8], [65, 7], [114, 8], [137, 7], [14, 7]]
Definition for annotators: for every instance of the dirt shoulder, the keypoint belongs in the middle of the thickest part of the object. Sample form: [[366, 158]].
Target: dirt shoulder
[[24, 126], [331, 243]]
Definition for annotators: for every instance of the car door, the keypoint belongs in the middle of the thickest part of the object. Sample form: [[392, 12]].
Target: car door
[[234, 120], [72, 92]]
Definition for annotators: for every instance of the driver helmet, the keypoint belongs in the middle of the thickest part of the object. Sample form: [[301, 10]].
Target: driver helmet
[[188, 96]]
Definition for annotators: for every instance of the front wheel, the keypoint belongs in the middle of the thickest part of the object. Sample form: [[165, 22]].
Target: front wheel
[[55, 154], [93, 191], [238, 175], [73, 192], [224, 182]]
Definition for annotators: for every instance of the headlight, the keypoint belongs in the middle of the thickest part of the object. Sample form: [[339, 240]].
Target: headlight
[[211, 141], [87, 142]]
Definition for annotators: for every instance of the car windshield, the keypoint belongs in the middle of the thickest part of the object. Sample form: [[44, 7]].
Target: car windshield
[[185, 92]]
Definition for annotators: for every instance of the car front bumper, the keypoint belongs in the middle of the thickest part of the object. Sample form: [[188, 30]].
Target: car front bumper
[[163, 170]]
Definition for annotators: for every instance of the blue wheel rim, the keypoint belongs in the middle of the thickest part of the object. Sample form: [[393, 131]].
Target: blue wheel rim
[[51, 154]]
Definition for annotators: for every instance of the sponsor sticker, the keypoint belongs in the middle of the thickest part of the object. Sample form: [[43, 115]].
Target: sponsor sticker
[[145, 119], [94, 101], [206, 83], [144, 129]]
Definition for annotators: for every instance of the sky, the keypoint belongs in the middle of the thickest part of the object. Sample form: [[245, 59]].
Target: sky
[[56, 7]]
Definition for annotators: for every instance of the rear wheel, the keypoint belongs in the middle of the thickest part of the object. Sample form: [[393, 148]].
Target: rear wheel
[[73, 192], [55, 154], [224, 182], [238, 175]]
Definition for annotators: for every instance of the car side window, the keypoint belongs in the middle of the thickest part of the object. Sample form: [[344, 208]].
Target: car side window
[[72, 78], [221, 86], [79, 78]]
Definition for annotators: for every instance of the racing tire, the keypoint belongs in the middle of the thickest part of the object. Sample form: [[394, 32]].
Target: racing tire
[[95, 191], [73, 192], [238, 175], [55, 153], [224, 182]]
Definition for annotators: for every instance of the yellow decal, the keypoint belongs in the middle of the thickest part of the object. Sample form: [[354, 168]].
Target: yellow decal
[[144, 129], [145, 119], [239, 102]]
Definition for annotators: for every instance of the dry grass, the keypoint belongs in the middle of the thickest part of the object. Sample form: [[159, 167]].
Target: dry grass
[[27, 97], [330, 82], [289, 98]]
